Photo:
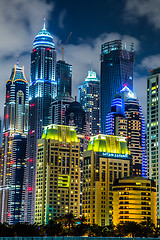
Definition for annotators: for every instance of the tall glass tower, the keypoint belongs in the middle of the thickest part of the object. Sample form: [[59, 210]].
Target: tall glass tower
[[153, 131], [64, 78], [89, 99], [116, 71], [42, 90], [15, 122]]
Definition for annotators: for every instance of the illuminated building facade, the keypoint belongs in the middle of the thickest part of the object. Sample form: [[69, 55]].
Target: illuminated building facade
[[134, 199], [116, 71], [18, 163], [58, 174], [59, 107], [106, 159], [1, 132], [126, 120], [15, 122], [153, 130], [89, 99], [42, 90]]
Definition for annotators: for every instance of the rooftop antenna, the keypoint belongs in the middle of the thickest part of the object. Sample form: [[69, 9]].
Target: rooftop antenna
[[44, 24], [125, 46], [91, 66], [62, 46], [17, 60]]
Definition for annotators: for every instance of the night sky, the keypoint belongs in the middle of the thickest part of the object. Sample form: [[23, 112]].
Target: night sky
[[91, 23]]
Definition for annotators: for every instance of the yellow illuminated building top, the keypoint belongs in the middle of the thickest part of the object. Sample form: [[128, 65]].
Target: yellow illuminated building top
[[108, 143], [18, 75], [61, 133]]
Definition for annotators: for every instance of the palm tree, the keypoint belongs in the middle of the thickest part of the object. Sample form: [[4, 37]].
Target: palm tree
[[148, 228], [128, 228], [53, 228]]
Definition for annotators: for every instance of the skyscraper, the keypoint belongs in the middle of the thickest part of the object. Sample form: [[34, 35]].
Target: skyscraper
[[64, 90], [126, 120], [58, 174], [116, 71], [59, 107], [42, 91], [64, 78], [15, 122], [18, 165], [106, 159], [89, 99], [153, 130]]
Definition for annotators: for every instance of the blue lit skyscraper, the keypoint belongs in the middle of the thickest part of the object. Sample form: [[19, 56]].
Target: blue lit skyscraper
[[126, 120], [42, 90], [15, 122], [116, 71]]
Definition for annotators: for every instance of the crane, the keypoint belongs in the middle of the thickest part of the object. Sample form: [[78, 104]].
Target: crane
[[62, 46]]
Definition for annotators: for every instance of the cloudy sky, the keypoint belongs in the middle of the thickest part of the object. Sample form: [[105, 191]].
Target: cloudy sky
[[91, 23]]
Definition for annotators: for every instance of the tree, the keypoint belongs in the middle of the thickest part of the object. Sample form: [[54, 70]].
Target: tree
[[128, 228], [148, 228], [26, 230], [53, 228]]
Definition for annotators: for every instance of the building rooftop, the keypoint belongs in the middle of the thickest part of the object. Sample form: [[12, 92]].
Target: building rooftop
[[61, 133], [43, 38], [108, 144]]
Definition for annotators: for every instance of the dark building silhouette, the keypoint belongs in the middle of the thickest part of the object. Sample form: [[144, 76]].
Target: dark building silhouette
[[116, 71], [63, 78], [76, 116]]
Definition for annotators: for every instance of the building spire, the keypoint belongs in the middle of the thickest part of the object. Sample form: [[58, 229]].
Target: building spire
[[91, 66], [17, 60], [44, 25]]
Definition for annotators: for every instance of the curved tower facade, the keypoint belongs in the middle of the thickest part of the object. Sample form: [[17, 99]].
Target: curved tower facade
[[15, 122], [42, 90], [126, 120]]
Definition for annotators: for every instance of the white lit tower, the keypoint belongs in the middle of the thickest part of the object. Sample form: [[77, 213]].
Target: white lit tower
[[42, 90], [89, 99]]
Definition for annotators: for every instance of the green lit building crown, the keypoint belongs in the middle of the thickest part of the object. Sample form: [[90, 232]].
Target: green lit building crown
[[60, 132], [108, 144]]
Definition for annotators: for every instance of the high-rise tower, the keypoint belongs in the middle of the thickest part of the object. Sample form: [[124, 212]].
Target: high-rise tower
[[15, 122], [58, 174], [64, 91], [153, 131], [64, 78], [116, 71], [89, 99], [42, 91], [106, 159], [126, 120]]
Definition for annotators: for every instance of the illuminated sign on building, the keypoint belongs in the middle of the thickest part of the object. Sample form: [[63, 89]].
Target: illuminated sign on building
[[115, 155]]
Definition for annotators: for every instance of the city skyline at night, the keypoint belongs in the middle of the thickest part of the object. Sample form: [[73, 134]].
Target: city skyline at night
[[61, 157], [130, 23]]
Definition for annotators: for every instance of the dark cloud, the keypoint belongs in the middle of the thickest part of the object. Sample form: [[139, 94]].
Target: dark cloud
[[62, 17], [143, 8]]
